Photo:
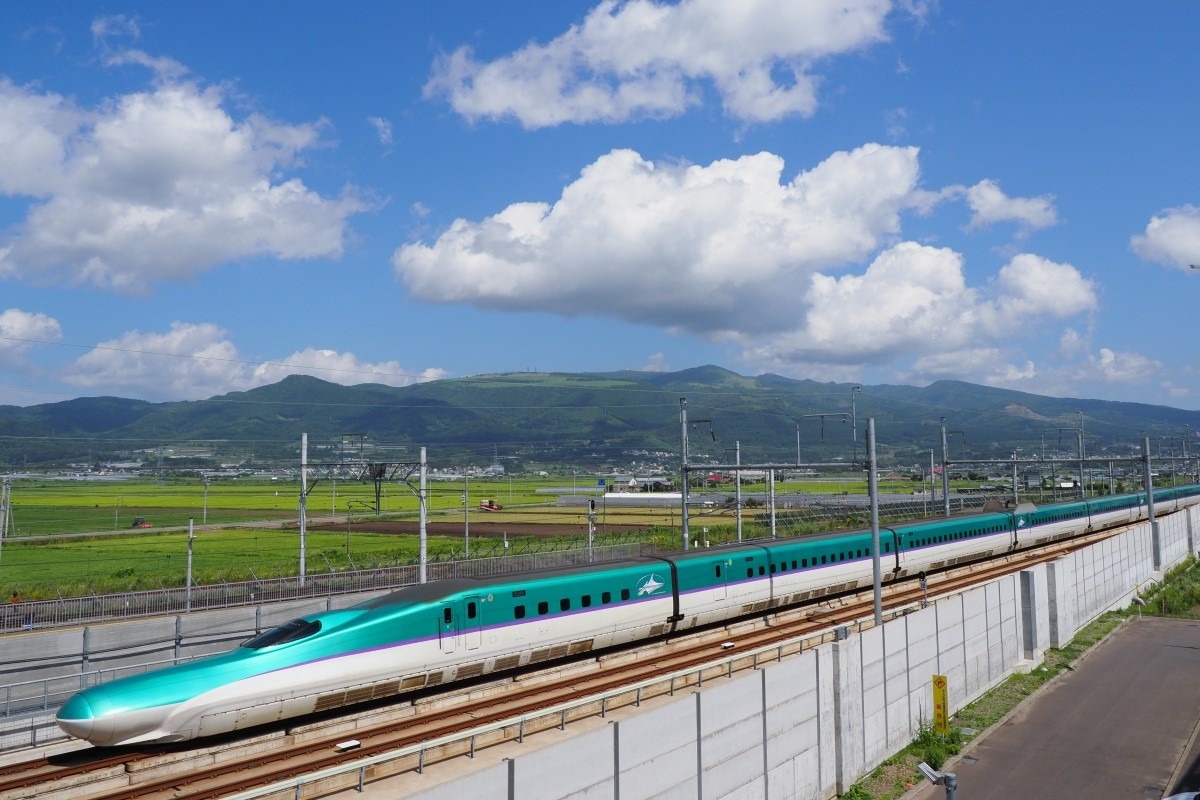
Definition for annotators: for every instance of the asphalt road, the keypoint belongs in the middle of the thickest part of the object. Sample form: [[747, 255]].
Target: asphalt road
[[1121, 725]]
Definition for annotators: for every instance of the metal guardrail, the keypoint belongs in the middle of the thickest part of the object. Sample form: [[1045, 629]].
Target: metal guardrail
[[47, 694], [73, 611]]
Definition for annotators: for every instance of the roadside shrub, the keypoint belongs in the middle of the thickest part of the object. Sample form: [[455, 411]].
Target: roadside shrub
[[935, 748]]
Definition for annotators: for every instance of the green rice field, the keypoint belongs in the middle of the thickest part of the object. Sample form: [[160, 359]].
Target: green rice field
[[73, 537]]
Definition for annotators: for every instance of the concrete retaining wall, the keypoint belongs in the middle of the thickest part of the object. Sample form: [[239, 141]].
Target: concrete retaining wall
[[813, 724]]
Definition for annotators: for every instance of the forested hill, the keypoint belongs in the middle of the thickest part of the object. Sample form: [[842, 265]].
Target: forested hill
[[596, 419]]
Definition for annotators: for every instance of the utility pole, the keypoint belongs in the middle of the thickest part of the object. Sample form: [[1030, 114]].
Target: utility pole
[[1015, 494], [945, 474], [683, 469], [424, 513], [684, 472], [946, 468], [737, 491], [191, 542], [1155, 542], [591, 528], [771, 495], [303, 500], [1082, 479], [873, 491], [854, 391], [932, 492], [5, 489]]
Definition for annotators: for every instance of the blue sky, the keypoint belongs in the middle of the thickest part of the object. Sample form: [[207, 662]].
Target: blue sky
[[202, 198]]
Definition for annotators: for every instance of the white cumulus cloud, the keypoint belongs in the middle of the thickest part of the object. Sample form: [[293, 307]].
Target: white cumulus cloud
[[735, 253], [657, 362], [986, 365], [722, 247], [194, 361], [1122, 367], [990, 205], [915, 299], [383, 130], [648, 59], [344, 368], [1171, 238], [21, 330], [154, 185]]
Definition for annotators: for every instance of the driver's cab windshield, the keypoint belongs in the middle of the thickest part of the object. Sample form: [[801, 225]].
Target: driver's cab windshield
[[287, 632]]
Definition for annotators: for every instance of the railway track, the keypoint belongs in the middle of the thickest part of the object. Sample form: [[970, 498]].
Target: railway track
[[235, 764]]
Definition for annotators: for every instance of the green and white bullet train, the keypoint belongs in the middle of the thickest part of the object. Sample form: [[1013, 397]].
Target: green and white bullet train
[[443, 631]]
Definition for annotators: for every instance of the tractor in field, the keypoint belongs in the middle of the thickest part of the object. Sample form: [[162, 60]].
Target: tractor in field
[[140, 522], [490, 505]]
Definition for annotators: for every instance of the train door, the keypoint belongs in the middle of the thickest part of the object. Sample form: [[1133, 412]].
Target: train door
[[720, 588], [449, 627], [472, 625]]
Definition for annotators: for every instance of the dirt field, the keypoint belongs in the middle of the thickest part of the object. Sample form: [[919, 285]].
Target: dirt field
[[480, 529]]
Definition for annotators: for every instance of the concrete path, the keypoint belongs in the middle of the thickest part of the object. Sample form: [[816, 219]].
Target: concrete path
[[1121, 725]]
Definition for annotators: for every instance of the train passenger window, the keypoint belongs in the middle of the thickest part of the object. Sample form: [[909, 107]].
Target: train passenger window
[[586, 601], [762, 570], [804, 562], [606, 597], [783, 566], [472, 610], [772, 567], [543, 607], [624, 594], [519, 612], [823, 559], [718, 568], [793, 563], [749, 572], [565, 604], [446, 617]]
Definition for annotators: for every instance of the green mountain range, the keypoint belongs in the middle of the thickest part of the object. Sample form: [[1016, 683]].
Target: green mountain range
[[587, 420]]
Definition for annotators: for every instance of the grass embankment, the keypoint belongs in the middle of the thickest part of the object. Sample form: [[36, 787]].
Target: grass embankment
[[1177, 596]]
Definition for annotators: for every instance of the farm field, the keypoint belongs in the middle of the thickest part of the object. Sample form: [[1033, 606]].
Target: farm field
[[44, 506], [71, 538], [77, 537]]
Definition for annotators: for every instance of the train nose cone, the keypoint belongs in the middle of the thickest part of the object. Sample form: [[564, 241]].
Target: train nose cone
[[75, 717]]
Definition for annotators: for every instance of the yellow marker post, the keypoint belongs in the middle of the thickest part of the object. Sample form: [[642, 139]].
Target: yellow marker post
[[941, 705]]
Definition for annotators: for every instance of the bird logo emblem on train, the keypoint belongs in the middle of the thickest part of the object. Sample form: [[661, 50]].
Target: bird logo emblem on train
[[650, 584], [1020, 522]]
